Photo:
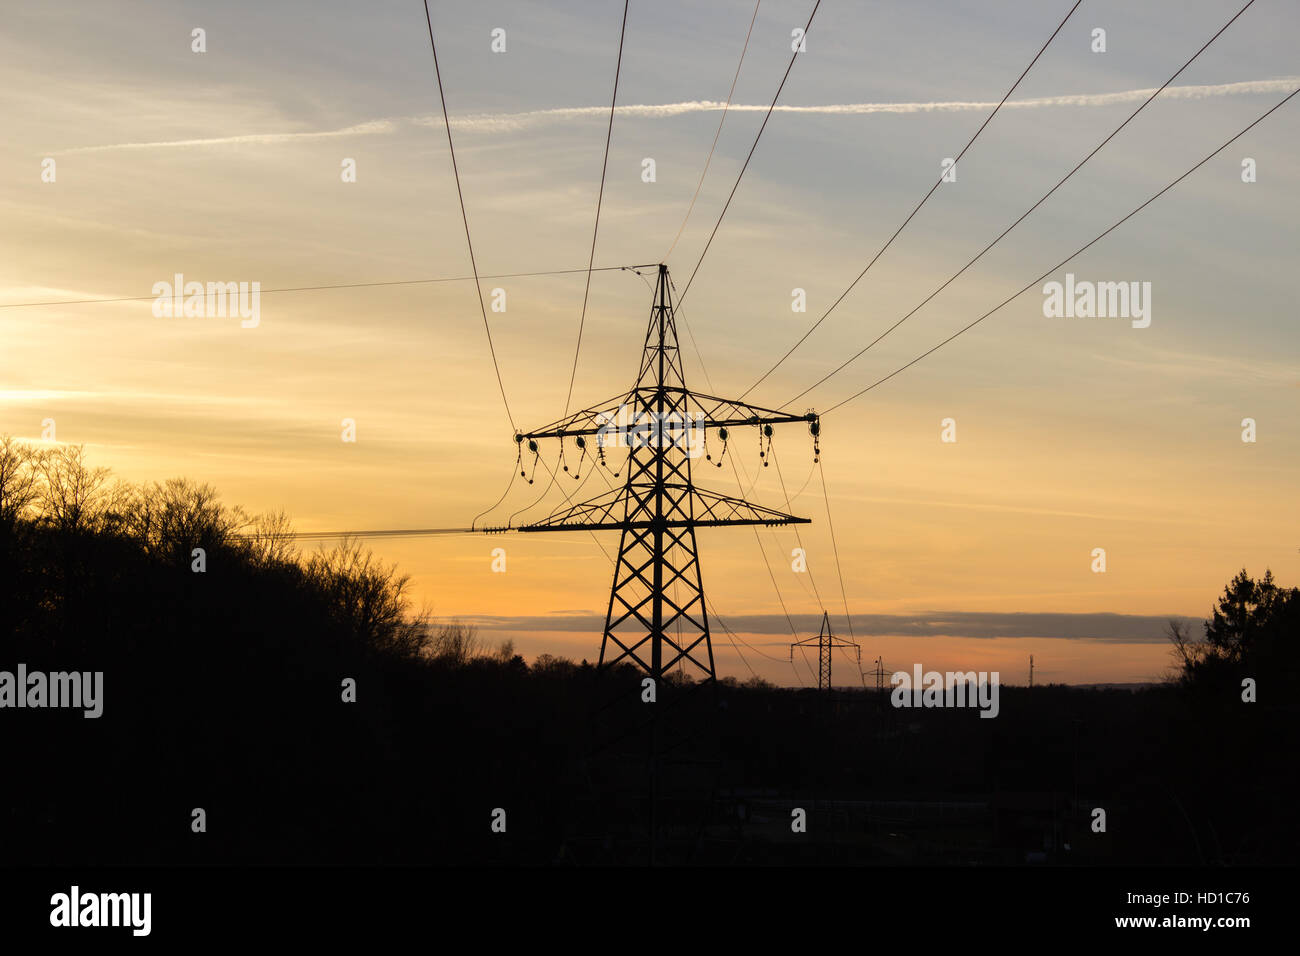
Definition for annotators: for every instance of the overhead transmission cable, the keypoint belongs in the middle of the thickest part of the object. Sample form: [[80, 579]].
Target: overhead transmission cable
[[917, 208], [839, 568], [714, 145], [1068, 258], [392, 533], [478, 287], [777, 589], [1025, 215], [745, 494], [789, 507], [600, 196], [510, 484], [708, 605], [681, 298], [319, 288]]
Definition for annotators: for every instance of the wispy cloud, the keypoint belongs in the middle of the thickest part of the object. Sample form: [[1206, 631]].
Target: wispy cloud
[[507, 122]]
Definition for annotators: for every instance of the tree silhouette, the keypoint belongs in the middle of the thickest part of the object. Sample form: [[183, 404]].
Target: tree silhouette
[[72, 493], [1253, 630], [18, 482]]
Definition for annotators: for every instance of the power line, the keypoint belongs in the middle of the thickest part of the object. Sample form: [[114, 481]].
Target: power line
[[807, 480], [736, 646], [510, 484], [763, 551], [917, 208], [713, 613], [776, 588], [766, 117], [714, 145], [472, 529], [694, 345], [465, 218], [835, 548], [618, 68], [1025, 215], [568, 497], [797, 537], [406, 533], [789, 505], [389, 533], [349, 285], [757, 538], [545, 491], [752, 484], [415, 532], [1072, 255]]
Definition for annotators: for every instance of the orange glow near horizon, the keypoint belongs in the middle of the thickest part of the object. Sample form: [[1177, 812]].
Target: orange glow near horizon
[[1071, 434]]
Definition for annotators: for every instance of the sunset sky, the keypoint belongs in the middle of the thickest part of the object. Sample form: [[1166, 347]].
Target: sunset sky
[[1072, 434]]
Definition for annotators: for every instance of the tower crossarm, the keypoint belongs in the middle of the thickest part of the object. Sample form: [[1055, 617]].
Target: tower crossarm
[[708, 411], [828, 639], [623, 508], [589, 421], [717, 412]]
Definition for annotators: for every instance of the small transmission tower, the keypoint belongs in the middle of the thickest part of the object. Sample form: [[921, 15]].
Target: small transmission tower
[[826, 643], [880, 674], [657, 617]]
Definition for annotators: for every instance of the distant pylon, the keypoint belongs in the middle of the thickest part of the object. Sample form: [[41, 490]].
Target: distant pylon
[[826, 643], [1031, 670], [880, 674]]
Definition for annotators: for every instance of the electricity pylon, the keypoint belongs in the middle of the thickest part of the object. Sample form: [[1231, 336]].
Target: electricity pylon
[[826, 643], [657, 617], [880, 674]]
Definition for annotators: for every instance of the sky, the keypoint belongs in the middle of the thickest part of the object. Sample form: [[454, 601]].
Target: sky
[[1072, 434]]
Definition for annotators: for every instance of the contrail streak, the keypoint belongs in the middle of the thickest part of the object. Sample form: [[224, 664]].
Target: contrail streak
[[506, 122], [256, 139], [509, 121]]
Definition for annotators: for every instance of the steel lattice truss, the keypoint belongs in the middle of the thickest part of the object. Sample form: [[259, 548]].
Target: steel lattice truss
[[826, 642], [626, 507], [712, 412], [657, 617]]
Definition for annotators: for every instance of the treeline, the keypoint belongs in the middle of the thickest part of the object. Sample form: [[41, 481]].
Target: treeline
[[225, 651], [66, 528], [226, 690]]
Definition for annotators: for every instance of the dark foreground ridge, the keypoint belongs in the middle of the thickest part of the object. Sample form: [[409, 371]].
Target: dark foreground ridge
[[225, 690]]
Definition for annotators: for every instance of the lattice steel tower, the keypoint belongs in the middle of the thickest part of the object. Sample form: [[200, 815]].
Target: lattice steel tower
[[826, 643], [657, 616]]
